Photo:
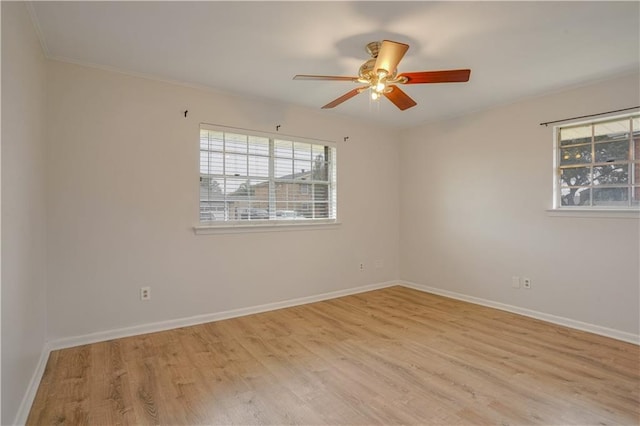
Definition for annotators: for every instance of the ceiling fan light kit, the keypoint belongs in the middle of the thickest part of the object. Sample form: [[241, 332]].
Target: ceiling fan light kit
[[380, 76]]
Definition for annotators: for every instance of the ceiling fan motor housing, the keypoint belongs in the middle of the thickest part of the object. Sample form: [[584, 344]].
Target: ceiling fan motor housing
[[366, 71], [373, 48]]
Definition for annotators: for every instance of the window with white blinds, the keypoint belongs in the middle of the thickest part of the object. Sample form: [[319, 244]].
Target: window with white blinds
[[246, 177]]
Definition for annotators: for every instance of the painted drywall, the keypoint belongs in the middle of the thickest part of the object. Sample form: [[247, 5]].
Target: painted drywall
[[23, 206], [474, 195], [122, 174]]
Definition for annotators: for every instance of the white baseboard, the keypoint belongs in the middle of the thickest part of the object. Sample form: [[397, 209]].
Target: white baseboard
[[567, 322], [68, 342], [102, 336], [34, 383]]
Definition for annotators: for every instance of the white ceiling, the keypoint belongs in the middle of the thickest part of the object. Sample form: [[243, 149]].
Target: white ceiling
[[514, 49]]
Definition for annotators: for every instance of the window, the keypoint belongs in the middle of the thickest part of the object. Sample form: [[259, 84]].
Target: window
[[247, 176], [598, 164]]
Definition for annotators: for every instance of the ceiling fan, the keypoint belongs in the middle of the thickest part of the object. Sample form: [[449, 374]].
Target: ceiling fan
[[380, 76]]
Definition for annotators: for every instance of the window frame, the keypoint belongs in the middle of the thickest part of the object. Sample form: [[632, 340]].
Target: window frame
[[615, 211], [271, 223]]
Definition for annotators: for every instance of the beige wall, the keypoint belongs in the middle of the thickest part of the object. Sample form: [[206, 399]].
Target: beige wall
[[23, 206], [120, 177], [474, 191], [123, 197]]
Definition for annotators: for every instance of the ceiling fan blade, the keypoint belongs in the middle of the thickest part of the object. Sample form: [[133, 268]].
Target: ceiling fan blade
[[399, 98], [449, 76], [345, 97], [324, 77], [390, 54]]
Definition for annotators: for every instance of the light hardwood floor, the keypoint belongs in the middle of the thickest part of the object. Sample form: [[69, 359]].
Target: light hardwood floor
[[391, 356]]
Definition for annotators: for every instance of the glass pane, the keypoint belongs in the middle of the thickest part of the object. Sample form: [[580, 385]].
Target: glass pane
[[215, 189], [320, 192], [252, 211], [611, 174], [238, 189], [282, 192], [302, 170], [286, 210], [283, 149], [259, 166], [611, 197], [211, 162], [212, 210], [320, 210], [283, 168], [636, 173], [258, 145], [575, 196], [320, 169], [204, 162], [204, 136], [635, 201], [306, 210], [612, 151], [612, 130], [210, 188], [575, 155], [259, 191], [318, 150], [211, 140], [304, 190], [575, 176], [235, 165], [238, 210], [636, 149], [575, 135], [286, 191], [235, 143], [302, 151]]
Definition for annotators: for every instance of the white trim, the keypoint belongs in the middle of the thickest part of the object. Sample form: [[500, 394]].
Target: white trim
[[102, 336], [595, 213], [32, 389], [68, 342], [273, 226], [566, 322], [600, 212]]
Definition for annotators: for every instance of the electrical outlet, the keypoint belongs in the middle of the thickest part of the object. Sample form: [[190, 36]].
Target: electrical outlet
[[526, 282], [361, 267], [145, 293], [515, 282]]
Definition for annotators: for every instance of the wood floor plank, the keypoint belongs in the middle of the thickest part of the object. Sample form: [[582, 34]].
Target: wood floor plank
[[391, 356]]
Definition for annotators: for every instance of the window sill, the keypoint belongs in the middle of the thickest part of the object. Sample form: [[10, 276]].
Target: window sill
[[227, 228], [595, 213]]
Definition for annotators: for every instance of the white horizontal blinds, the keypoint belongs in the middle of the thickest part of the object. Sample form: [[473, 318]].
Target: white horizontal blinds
[[247, 177], [599, 163], [635, 170], [212, 206], [303, 179]]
